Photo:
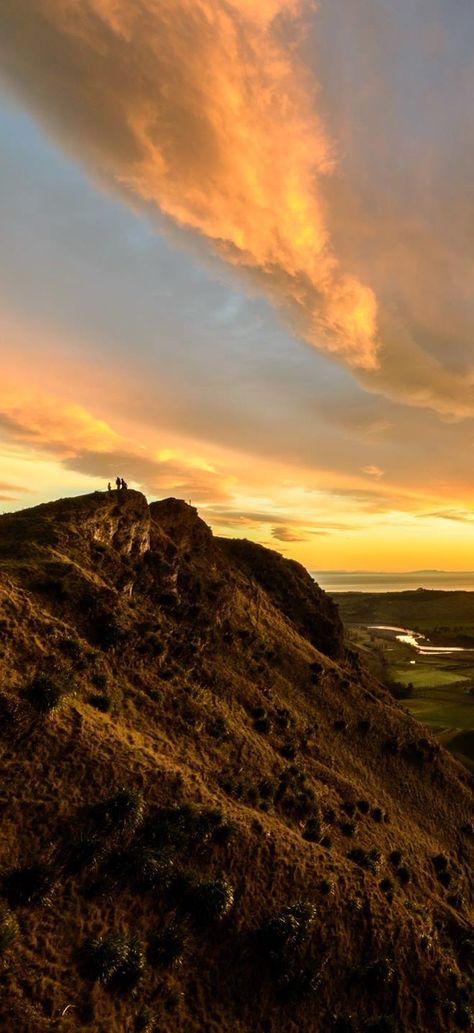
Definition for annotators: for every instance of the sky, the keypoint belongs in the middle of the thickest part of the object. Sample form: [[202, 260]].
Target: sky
[[236, 267]]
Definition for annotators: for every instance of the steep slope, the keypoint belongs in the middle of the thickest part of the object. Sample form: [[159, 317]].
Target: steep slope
[[213, 819]]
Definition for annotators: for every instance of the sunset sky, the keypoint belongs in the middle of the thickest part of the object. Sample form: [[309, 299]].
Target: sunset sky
[[237, 264]]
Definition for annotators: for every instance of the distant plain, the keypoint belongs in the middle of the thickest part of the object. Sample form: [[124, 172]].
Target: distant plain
[[439, 690]]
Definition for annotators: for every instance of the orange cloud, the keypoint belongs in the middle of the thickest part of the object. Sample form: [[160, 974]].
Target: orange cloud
[[199, 108], [46, 421], [81, 443]]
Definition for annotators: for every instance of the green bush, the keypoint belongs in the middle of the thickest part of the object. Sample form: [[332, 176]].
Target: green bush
[[106, 632], [173, 829], [262, 725], [283, 942], [209, 901], [167, 945], [286, 930], [403, 874], [363, 806], [116, 960], [47, 690], [99, 679], [121, 812], [146, 870], [101, 702], [70, 647], [29, 885], [377, 974], [368, 859]]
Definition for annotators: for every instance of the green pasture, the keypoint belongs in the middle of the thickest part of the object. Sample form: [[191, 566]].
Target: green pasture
[[428, 676], [438, 687]]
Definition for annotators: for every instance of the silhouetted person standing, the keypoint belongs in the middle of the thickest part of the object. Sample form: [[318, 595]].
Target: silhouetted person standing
[[109, 487], [123, 485], [118, 483]]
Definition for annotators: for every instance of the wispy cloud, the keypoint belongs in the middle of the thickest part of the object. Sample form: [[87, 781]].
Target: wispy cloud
[[82, 443], [287, 534], [462, 516], [202, 110]]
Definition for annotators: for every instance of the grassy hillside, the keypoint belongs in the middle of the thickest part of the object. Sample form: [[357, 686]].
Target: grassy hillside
[[213, 818]]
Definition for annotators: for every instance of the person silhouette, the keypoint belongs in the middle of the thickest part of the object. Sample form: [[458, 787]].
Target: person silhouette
[[123, 484], [109, 487], [118, 483]]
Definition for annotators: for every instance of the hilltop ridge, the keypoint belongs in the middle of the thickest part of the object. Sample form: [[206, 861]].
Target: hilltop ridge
[[214, 818]]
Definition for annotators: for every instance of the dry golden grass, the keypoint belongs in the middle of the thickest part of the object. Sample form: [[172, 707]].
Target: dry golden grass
[[221, 702]]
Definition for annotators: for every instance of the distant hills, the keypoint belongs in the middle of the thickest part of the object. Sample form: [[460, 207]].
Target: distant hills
[[214, 820]]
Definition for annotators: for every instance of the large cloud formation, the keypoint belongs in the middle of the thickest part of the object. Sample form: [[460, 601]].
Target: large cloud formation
[[203, 110], [198, 107]]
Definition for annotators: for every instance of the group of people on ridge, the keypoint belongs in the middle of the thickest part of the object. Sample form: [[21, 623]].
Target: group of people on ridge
[[120, 484]]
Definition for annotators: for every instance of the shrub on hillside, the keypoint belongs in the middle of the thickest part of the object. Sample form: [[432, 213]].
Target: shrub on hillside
[[101, 702], [146, 870], [348, 828], [47, 690], [105, 630], [70, 647], [283, 941], [99, 679], [122, 812], [368, 859], [364, 725], [287, 930], [167, 945], [363, 806], [376, 974], [209, 900], [31, 884], [116, 960], [182, 828], [313, 829]]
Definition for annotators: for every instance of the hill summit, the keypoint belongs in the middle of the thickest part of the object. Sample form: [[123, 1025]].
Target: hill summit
[[214, 820]]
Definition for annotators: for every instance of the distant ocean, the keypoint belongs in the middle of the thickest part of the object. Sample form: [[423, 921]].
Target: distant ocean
[[367, 581]]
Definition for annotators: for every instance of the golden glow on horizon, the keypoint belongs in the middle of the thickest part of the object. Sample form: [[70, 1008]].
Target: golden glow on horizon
[[256, 162], [61, 448]]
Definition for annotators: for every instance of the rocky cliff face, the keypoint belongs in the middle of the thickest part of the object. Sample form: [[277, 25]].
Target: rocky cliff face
[[212, 818]]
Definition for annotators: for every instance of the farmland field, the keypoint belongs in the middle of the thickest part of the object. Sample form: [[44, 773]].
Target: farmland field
[[438, 689]]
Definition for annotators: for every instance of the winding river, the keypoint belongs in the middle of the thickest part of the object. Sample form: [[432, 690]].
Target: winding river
[[419, 642]]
